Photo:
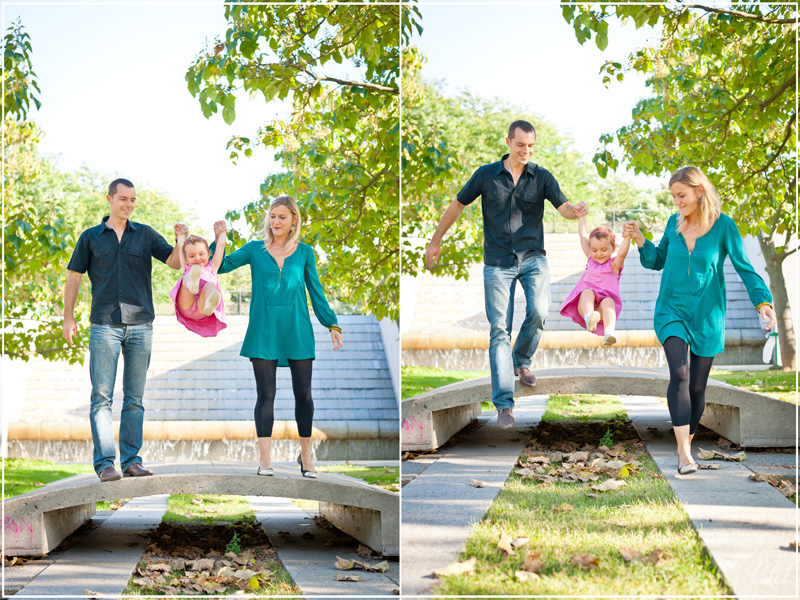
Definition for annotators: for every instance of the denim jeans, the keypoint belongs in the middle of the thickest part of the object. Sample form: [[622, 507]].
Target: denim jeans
[[498, 285], [105, 344]]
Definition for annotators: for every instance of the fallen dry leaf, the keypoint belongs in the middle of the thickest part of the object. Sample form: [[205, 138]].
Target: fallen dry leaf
[[466, 567], [519, 542], [793, 544], [656, 557], [381, 567], [343, 577], [710, 467], [526, 576], [608, 484], [705, 454], [523, 472], [564, 507], [144, 582], [477, 483], [532, 562], [759, 477], [585, 561], [629, 554], [505, 544], [577, 457], [344, 564]]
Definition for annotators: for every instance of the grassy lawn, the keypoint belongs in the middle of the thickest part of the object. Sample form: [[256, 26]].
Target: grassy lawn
[[386, 477], [644, 515], [209, 507], [418, 380], [778, 384], [23, 475], [588, 407]]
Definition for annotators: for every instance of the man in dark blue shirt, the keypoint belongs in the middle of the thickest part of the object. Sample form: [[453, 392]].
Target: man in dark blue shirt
[[512, 191], [117, 254]]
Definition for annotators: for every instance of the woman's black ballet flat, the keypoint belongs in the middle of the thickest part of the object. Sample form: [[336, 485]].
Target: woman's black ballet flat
[[309, 474]]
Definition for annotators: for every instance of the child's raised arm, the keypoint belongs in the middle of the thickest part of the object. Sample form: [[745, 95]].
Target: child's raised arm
[[219, 252], [180, 236], [619, 259], [584, 235]]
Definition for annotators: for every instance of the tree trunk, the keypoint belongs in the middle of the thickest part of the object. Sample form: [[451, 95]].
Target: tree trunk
[[777, 284]]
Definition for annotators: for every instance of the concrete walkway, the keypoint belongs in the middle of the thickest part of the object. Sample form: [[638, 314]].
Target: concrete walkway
[[104, 560], [440, 506], [309, 560], [746, 526]]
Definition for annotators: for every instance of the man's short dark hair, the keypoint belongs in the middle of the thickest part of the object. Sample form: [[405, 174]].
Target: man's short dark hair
[[112, 187], [524, 125]]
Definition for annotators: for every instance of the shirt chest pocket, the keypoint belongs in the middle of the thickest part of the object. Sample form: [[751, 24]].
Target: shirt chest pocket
[[530, 200], [495, 197], [136, 252]]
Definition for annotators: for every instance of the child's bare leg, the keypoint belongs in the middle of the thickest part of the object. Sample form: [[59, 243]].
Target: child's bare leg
[[609, 313], [185, 297], [264, 450], [608, 310], [586, 302], [586, 308]]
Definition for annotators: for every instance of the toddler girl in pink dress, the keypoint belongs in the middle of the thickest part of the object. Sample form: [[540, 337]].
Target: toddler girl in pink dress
[[595, 302], [197, 296]]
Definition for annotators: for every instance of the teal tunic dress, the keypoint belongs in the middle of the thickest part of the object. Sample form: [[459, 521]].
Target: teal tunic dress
[[280, 326], [691, 300]]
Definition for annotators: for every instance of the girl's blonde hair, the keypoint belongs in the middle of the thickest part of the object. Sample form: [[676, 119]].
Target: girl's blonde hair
[[709, 206], [294, 234]]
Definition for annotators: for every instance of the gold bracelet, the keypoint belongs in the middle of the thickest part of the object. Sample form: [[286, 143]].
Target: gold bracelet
[[335, 328], [765, 304]]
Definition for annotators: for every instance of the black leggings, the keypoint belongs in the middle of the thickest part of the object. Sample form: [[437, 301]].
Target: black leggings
[[686, 394], [265, 372]]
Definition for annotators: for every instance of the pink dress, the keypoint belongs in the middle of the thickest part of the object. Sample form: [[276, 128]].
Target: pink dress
[[601, 279], [193, 319]]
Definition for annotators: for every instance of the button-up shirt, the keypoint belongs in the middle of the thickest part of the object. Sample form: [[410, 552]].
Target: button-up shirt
[[512, 214], [120, 271]]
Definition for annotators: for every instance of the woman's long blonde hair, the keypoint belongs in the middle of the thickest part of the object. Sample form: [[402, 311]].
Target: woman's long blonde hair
[[709, 206], [294, 234]]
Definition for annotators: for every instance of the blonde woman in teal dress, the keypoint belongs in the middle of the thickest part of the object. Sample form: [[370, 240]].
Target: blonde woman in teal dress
[[279, 332], [690, 309]]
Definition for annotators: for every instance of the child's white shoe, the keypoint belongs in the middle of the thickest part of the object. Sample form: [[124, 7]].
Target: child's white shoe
[[212, 301], [192, 279], [609, 339], [592, 319]]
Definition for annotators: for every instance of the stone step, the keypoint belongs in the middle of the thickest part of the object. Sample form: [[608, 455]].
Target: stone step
[[201, 395]]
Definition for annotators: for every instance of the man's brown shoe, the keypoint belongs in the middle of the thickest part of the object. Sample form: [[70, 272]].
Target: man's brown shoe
[[137, 470], [526, 376], [505, 418], [109, 474]]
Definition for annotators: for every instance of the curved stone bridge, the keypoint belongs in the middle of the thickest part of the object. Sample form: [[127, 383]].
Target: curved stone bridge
[[746, 418], [36, 522]]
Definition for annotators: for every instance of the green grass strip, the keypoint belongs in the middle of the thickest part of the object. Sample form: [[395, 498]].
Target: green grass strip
[[644, 515]]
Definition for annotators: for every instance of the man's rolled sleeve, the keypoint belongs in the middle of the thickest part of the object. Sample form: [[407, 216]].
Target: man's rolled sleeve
[[473, 188], [553, 192], [159, 247], [79, 262]]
